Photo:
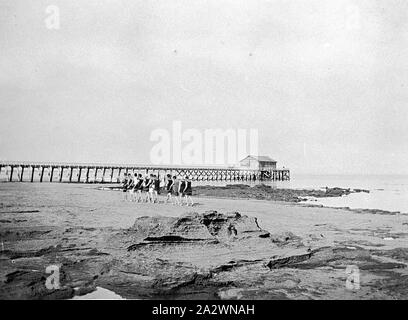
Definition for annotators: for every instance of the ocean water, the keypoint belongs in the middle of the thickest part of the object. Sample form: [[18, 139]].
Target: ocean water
[[387, 192]]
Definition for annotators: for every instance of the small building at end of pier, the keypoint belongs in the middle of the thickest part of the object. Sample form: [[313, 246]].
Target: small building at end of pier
[[261, 163]]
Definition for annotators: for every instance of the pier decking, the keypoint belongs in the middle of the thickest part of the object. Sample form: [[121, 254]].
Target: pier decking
[[110, 173]]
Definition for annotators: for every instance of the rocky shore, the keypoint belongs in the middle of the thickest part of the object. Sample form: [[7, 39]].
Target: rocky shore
[[246, 249], [265, 192], [208, 256]]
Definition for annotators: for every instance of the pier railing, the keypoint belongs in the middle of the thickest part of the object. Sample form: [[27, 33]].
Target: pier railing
[[112, 173]]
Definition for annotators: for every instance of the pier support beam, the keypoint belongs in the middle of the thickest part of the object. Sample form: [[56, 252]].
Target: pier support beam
[[22, 173], [103, 175], [111, 175], [52, 173], [61, 173], [87, 175], [42, 174], [32, 173], [11, 173], [95, 174], [79, 174], [71, 169]]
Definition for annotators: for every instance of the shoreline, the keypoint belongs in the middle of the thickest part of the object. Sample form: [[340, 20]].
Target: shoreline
[[279, 195]]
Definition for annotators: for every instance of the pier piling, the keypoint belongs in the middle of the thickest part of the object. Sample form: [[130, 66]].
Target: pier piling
[[22, 173], [11, 174], [103, 175], [32, 173], [52, 173], [42, 174]]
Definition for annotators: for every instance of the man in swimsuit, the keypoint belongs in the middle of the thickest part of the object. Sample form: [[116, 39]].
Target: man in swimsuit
[[176, 186], [133, 190], [129, 187], [155, 187], [139, 187], [182, 186], [169, 187], [187, 192], [151, 188], [146, 187]]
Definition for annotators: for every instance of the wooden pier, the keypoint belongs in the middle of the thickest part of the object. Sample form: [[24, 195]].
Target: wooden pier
[[109, 173]]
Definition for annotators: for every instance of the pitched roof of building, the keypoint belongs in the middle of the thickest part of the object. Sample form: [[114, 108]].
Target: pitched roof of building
[[260, 158]]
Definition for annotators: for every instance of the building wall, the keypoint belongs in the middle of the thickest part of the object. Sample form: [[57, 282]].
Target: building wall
[[253, 164], [244, 163], [267, 166], [250, 164], [256, 165]]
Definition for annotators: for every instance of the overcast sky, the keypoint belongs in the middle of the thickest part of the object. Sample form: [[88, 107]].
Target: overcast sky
[[324, 82]]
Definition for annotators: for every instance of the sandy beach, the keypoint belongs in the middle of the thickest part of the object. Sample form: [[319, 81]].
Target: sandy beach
[[306, 254]]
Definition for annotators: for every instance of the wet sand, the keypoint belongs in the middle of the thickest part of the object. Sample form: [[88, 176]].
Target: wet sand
[[87, 232]]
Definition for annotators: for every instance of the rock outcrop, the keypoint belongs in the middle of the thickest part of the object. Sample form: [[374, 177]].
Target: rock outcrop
[[206, 255], [209, 226], [266, 192]]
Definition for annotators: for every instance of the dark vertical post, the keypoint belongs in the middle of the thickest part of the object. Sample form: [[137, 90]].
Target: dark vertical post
[[32, 173], [103, 175], [52, 173], [42, 174], [87, 175], [22, 173], [95, 174], [70, 173], [61, 173], [11, 173], [79, 174], [111, 175]]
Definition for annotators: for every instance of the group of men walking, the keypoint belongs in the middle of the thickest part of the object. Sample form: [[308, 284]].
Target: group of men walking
[[147, 189]]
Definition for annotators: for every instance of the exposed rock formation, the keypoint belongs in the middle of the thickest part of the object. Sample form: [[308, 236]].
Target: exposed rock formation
[[209, 226], [208, 255], [265, 192]]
